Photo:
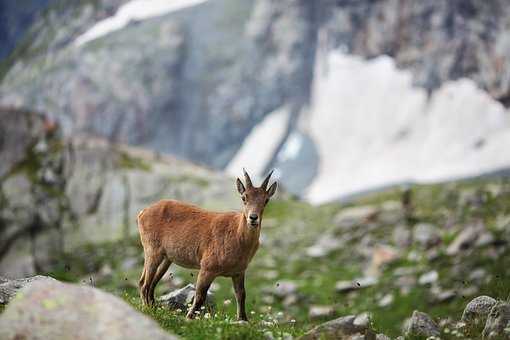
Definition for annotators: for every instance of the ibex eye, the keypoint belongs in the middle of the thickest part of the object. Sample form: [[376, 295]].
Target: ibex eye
[[267, 200], [243, 198]]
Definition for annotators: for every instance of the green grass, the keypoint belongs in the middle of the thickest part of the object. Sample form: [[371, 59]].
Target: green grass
[[291, 226]]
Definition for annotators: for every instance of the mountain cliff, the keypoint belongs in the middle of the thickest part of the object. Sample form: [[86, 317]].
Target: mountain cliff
[[198, 80]]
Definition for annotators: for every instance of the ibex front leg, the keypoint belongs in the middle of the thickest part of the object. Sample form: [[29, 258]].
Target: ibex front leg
[[238, 282], [204, 280]]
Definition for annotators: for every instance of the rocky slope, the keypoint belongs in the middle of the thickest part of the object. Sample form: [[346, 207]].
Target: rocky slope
[[213, 71], [428, 261], [56, 193]]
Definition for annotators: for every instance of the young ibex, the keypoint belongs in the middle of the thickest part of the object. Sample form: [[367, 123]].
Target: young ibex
[[218, 244]]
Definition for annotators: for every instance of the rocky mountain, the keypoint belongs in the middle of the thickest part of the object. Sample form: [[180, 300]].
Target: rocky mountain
[[325, 91], [58, 193]]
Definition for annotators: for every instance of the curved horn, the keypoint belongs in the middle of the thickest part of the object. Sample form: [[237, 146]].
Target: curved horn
[[266, 181], [247, 178]]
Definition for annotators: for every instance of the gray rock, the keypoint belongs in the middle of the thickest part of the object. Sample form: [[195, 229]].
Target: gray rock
[[428, 278], [386, 300], [362, 320], [402, 236], [341, 328], [426, 234], [183, 297], [319, 312], [52, 310], [349, 217], [284, 288], [478, 275], [324, 245], [9, 288], [440, 295], [382, 337], [477, 310], [498, 322], [465, 239], [421, 324], [347, 286]]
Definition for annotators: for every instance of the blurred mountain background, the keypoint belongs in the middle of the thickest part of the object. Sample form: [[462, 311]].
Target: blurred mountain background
[[341, 96], [110, 105]]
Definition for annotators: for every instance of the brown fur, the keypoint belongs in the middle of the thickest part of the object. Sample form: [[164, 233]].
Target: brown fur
[[218, 244]]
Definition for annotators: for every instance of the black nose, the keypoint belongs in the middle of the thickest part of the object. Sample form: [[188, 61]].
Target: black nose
[[254, 217]]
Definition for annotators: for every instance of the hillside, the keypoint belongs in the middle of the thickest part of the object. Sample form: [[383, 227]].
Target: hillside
[[430, 248], [417, 91]]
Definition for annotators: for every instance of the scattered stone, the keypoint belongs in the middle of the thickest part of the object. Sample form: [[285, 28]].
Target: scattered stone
[[421, 324], [477, 310], [428, 278], [324, 246], [341, 328], [382, 337], [468, 291], [405, 271], [405, 283], [181, 298], [381, 255], [318, 312], [350, 217], [48, 309], [9, 288], [426, 234], [284, 288], [498, 322], [268, 299], [390, 212], [465, 239], [290, 300], [478, 276], [402, 236], [386, 300], [347, 286], [362, 320], [439, 295]]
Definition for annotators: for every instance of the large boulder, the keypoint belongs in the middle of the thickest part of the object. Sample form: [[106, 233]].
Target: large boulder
[[498, 322], [54, 310], [344, 328], [477, 310], [9, 288], [421, 325]]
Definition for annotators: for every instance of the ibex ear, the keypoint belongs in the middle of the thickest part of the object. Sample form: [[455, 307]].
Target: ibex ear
[[240, 186], [272, 189]]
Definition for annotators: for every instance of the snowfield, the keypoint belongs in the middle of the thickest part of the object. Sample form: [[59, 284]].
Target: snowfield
[[133, 10], [371, 128]]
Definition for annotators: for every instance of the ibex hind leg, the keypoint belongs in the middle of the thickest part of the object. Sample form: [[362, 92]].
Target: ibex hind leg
[[163, 267], [152, 262]]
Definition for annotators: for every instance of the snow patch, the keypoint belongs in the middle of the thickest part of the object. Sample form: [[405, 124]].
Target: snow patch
[[260, 145], [133, 10], [372, 128], [291, 147]]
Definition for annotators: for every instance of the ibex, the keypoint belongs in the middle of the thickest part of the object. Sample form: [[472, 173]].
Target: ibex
[[215, 243]]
